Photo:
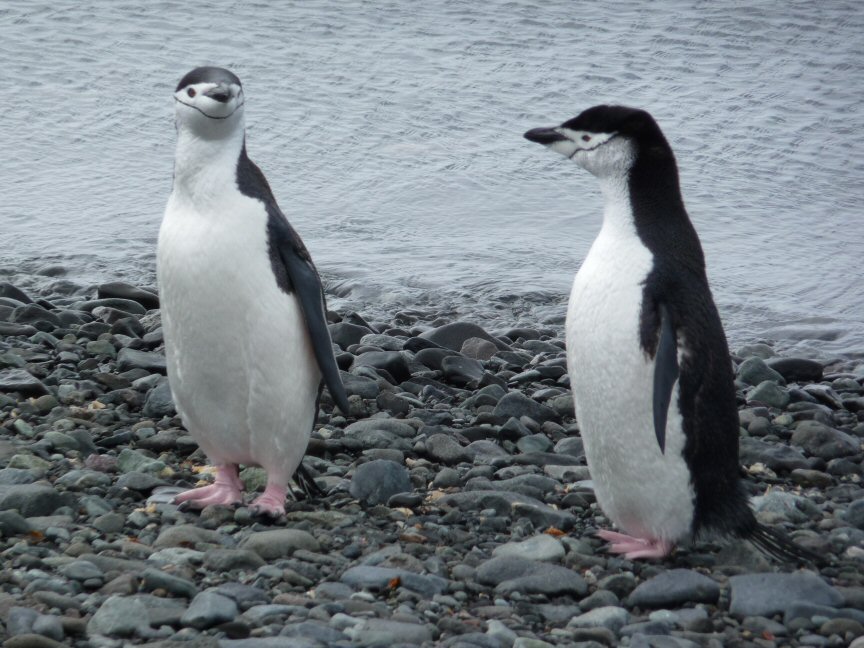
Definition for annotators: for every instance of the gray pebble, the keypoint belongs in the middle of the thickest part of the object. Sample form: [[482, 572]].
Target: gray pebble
[[610, 617], [377, 481], [121, 617], [769, 594], [673, 588], [280, 543], [208, 609], [513, 574]]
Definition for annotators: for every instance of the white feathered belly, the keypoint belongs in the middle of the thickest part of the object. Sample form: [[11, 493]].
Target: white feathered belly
[[644, 492], [240, 365]]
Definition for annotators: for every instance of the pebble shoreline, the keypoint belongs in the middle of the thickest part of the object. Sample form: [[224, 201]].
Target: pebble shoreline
[[458, 510]]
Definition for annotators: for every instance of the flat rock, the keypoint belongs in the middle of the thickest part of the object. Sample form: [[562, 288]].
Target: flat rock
[[345, 334], [769, 594], [512, 505], [797, 369], [378, 480], [819, 440], [777, 457], [32, 500], [462, 371], [121, 290], [185, 535], [769, 393], [445, 449], [383, 632], [393, 362], [673, 588], [209, 609], [754, 371], [19, 380], [120, 616], [280, 543], [514, 574], [478, 348], [359, 385], [159, 402], [381, 578], [609, 616], [543, 548], [517, 405], [454, 335], [149, 361]]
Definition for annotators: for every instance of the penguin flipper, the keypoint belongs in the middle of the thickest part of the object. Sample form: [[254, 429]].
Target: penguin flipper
[[306, 284], [666, 372]]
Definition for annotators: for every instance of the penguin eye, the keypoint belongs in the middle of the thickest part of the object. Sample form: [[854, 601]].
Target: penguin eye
[[586, 138], [190, 92]]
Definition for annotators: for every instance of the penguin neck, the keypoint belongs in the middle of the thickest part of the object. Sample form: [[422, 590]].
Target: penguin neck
[[206, 167], [618, 216]]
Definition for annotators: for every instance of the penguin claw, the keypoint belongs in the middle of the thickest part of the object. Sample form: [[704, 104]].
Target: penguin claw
[[218, 494], [271, 503], [634, 548]]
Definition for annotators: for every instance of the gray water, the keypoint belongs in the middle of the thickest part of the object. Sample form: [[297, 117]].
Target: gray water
[[391, 133]]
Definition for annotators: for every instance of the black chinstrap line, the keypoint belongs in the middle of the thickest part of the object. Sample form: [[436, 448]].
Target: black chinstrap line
[[588, 150], [236, 108]]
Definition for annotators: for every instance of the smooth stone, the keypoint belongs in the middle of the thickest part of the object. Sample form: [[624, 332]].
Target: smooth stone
[[514, 574], [19, 380], [789, 506], [208, 609], [393, 426], [228, 559], [381, 578], [119, 616], [155, 579], [393, 362], [534, 443], [159, 402], [149, 361], [133, 461], [35, 314], [384, 342], [673, 588], [478, 348], [9, 291], [768, 393], [819, 440], [185, 535], [280, 543], [854, 515], [462, 371], [121, 290], [32, 640], [359, 385], [81, 570], [445, 449], [33, 500], [754, 370], [517, 405], [543, 547], [10, 329], [455, 334], [513, 505], [775, 456], [382, 632], [769, 594], [797, 369], [611, 617], [345, 334], [12, 523], [376, 481]]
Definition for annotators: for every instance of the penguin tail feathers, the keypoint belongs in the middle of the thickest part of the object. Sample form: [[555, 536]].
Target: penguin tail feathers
[[307, 483], [778, 545]]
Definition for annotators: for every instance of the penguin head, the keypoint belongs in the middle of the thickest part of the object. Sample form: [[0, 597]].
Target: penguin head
[[606, 140], [209, 101]]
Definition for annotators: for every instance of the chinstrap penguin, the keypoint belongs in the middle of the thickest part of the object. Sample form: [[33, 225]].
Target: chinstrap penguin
[[648, 360], [243, 311]]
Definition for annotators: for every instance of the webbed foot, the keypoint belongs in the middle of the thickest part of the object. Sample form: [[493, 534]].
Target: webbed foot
[[633, 548]]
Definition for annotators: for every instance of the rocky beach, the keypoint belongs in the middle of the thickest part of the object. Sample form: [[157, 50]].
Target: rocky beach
[[456, 506]]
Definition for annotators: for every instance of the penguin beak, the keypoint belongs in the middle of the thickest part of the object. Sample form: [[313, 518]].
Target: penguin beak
[[221, 93], [544, 136]]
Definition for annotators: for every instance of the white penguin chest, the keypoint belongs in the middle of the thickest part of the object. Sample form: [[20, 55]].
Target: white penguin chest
[[642, 490]]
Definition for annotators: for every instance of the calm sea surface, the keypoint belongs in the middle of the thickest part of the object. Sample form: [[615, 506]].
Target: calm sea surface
[[391, 133]]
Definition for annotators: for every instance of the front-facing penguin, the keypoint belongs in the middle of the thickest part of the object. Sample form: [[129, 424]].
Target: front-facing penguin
[[649, 365], [243, 312]]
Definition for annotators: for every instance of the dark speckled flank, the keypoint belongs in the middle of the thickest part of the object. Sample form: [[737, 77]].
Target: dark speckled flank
[[208, 74]]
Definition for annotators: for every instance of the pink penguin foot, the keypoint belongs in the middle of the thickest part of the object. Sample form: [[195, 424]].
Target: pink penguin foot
[[271, 502], [633, 548], [226, 490]]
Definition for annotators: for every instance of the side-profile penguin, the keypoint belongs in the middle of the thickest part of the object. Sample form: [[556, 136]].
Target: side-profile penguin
[[648, 360], [243, 312]]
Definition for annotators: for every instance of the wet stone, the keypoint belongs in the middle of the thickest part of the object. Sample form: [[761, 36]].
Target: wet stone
[[768, 594], [377, 481], [673, 588], [208, 609]]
